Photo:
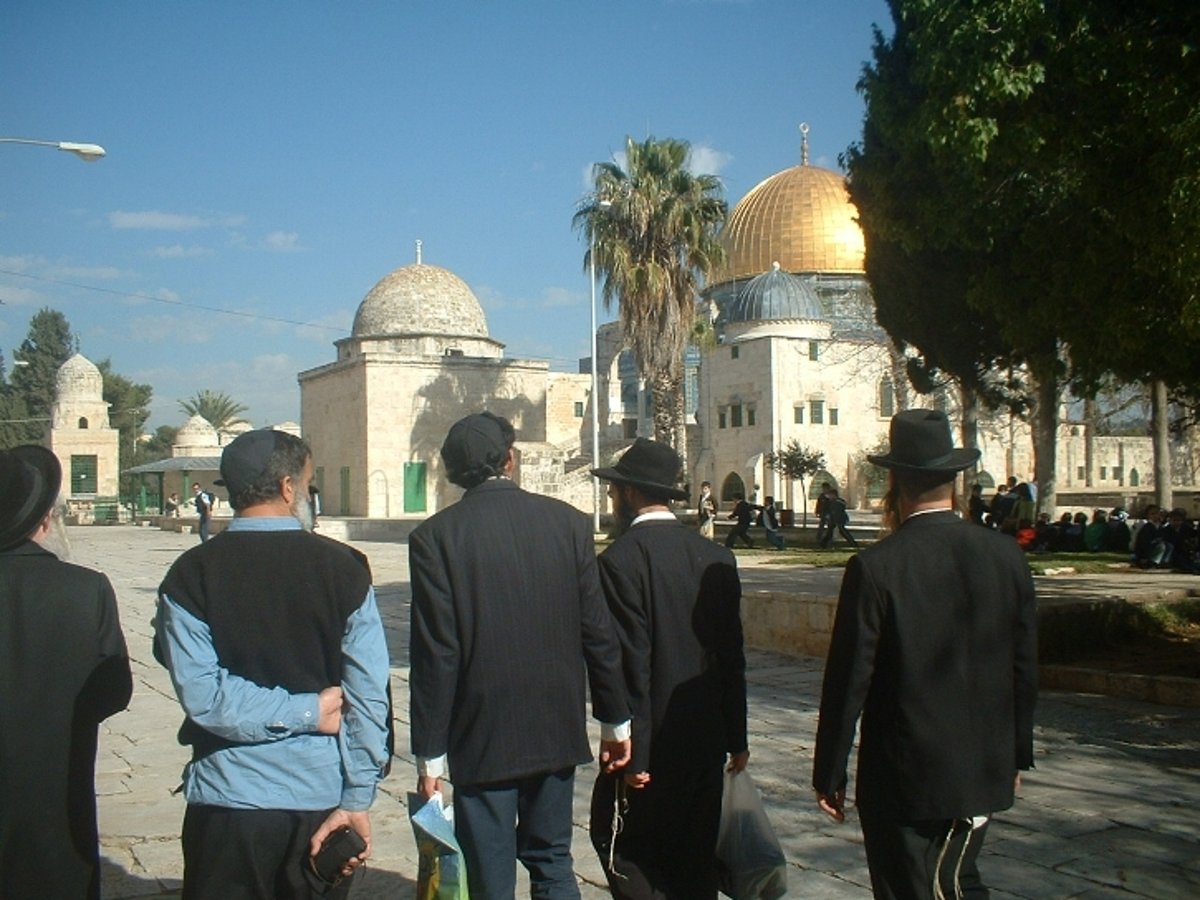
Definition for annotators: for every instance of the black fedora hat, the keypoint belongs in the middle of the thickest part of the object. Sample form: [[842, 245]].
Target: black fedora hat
[[648, 465], [920, 441], [29, 480]]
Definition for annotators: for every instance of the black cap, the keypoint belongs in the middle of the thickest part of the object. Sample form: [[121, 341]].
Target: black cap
[[476, 441], [246, 458], [30, 476]]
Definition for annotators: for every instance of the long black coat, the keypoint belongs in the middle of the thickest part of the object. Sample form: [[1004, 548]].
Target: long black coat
[[935, 643], [64, 668], [506, 609]]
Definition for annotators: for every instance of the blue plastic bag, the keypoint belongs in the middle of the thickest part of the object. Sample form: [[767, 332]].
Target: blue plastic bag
[[441, 872]]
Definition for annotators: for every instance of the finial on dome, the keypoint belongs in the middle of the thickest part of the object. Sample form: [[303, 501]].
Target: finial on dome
[[804, 143], [418, 251], [775, 266]]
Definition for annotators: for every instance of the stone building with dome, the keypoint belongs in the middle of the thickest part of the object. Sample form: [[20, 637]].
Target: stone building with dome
[[82, 438], [418, 358]]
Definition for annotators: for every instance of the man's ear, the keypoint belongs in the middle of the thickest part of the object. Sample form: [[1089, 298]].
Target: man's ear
[[287, 489]]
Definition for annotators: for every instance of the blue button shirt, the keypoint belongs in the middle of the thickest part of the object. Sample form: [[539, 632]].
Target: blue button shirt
[[281, 762]]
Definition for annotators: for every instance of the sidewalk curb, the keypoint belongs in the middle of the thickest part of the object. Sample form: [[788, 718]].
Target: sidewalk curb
[[1169, 690]]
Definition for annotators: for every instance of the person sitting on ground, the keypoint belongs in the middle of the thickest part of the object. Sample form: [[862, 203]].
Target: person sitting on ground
[[1150, 550], [1046, 534], [1179, 535], [1093, 535], [1072, 534], [1118, 536]]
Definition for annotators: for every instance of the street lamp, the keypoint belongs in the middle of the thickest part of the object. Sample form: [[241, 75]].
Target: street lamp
[[604, 205], [86, 152]]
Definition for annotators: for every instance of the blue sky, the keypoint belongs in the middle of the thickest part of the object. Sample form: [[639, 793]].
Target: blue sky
[[276, 160]]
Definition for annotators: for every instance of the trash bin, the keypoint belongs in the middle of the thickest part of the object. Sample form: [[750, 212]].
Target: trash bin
[[787, 518]]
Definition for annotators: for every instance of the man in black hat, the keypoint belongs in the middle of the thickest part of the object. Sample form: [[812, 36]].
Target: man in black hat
[[935, 644], [506, 611], [64, 668], [277, 654], [676, 599]]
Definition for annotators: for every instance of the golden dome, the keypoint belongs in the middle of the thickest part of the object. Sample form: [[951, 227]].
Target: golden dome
[[801, 218]]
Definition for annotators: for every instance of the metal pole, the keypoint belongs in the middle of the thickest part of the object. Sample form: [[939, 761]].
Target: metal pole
[[595, 393]]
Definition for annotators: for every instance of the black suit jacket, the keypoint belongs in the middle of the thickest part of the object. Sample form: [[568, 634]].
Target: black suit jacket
[[506, 609], [935, 643], [64, 668], [676, 598]]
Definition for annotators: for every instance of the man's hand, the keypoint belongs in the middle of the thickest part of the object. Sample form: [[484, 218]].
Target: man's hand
[[737, 761], [833, 805], [637, 780], [615, 754], [359, 821], [329, 703], [427, 786]]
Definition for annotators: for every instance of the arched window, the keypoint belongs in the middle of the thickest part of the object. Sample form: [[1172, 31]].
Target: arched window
[[83, 422], [817, 484], [887, 398], [985, 479], [1134, 478], [732, 486]]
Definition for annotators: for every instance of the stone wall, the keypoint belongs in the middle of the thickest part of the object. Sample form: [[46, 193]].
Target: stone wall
[[795, 624]]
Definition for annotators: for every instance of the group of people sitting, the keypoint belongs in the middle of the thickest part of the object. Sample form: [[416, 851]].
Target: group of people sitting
[[1161, 540]]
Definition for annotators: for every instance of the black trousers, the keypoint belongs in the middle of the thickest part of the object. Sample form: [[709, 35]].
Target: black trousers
[[666, 849], [252, 854], [907, 859]]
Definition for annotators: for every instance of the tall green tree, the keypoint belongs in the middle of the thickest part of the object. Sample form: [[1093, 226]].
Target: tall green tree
[[1047, 151], [653, 225], [796, 463], [128, 410], [217, 407], [48, 344]]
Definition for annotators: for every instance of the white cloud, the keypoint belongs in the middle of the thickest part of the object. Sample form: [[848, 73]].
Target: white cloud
[[178, 251], [707, 161], [493, 301], [19, 263], [556, 297], [154, 220], [21, 296], [283, 241]]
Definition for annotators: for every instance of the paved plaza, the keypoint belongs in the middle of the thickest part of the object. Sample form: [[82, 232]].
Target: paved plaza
[[1109, 812]]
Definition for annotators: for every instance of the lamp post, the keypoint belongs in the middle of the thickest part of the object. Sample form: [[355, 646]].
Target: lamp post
[[86, 152], [604, 206]]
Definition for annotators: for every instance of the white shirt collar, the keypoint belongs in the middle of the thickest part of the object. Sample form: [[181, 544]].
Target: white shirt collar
[[659, 515]]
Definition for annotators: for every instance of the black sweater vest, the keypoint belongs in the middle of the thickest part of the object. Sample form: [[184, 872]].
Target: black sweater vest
[[276, 604]]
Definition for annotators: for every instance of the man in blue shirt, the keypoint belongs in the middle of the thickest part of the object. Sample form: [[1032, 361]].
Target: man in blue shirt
[[277, 654]]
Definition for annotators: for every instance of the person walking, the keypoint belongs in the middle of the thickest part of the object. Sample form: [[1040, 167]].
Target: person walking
[[203, 501], [507, 615], [745, 513], [935, 645], [675, 598], [770, 522], [277, 654], [706, 510], [65, 669], [836, 519]]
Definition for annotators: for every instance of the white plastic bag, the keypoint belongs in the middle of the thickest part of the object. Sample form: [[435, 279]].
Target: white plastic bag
[[748, 853]]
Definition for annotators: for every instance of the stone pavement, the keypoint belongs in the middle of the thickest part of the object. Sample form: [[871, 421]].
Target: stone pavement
[[1109, 812]]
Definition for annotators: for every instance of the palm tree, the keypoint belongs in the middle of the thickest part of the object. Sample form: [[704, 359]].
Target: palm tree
[[653, 226], [216, 407]]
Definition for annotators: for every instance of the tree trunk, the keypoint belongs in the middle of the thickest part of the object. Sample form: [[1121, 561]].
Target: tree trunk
[[667, 406], [1091, 415], [1045, 441], [970, 432], [1160, 436]]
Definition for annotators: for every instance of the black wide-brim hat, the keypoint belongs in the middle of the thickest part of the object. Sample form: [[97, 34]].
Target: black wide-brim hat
[[920, 442], [30, 477], [648, 465]]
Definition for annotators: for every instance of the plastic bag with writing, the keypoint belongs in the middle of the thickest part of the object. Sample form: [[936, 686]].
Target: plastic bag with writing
[[441, 872], [749, 857]]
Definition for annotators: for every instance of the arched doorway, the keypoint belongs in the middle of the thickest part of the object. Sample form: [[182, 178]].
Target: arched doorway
[[732, 487]]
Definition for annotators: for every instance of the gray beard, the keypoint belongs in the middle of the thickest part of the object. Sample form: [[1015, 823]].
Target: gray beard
[[302, 511]]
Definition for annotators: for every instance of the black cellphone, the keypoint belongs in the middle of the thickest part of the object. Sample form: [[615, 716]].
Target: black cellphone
[[338, 849]]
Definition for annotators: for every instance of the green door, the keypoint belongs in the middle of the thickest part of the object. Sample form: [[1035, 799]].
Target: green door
[[414, 487]]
